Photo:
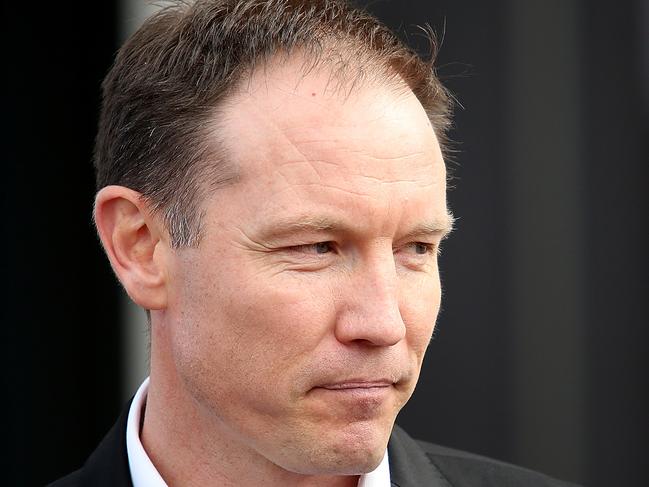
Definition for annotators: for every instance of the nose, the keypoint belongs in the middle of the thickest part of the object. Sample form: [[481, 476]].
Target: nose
[[369, 312]]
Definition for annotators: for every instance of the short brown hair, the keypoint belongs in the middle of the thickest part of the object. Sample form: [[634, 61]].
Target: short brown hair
[[159, 97]]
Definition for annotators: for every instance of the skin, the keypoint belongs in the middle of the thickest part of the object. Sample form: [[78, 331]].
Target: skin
[[285, 344]]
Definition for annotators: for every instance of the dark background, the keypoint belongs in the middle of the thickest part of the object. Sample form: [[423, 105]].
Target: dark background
[[540, 356]]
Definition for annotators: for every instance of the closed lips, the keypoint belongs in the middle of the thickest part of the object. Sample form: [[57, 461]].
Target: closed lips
[[356, 385]]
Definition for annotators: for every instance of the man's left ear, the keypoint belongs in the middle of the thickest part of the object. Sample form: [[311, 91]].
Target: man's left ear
[[132, 239]]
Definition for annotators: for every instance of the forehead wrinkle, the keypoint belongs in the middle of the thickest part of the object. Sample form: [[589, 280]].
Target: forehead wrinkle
[[397, 158], [338, 152], [343, 179], [306, 137], [312, 164], [277, 132], [321, 185], [298, 136], [343, 146], [382, 181], [290, 139], [343, 139]]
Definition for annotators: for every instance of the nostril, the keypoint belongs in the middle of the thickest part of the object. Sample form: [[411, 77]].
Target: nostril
[[374, 323]]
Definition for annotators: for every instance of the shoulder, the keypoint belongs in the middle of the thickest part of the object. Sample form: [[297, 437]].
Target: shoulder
[[458, 468], [108, 465], [70, 480], [456, 465]]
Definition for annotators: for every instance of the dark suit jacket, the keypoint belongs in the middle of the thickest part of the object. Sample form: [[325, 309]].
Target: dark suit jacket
[[412, 464]]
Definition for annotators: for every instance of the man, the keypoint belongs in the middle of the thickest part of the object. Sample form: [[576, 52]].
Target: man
[[272, 191]]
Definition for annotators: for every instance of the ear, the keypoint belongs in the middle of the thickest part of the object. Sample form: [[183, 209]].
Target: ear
[[132, 239]]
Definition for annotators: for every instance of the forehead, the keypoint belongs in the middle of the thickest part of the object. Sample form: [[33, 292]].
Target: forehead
[[279, 102], [310, 134]]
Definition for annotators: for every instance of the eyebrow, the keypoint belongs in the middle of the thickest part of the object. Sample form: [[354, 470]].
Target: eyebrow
[[286, 227], [440, 227]]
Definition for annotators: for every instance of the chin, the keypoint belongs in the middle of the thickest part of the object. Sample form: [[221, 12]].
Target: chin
[[354, 450], [337, 463], [358, 462]]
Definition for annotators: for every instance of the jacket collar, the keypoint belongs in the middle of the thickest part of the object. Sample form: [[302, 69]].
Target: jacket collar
[[108, 464], [409, 465]]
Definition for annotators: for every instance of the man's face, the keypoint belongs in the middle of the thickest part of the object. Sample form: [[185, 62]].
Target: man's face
[[300, 322]]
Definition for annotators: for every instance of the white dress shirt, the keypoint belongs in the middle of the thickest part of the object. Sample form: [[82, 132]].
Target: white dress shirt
[[144, 473]]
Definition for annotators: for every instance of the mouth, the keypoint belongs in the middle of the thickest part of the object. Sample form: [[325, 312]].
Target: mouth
[[371, 391], [356, 399], [357, 384]]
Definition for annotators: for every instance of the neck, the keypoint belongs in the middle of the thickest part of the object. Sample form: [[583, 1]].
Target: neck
[[190, 447]]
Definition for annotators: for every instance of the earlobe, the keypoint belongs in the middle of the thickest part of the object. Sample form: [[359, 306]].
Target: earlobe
[[132, 239]]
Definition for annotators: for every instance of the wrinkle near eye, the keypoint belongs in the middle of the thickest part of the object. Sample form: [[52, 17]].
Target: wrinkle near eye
[[246, 242]]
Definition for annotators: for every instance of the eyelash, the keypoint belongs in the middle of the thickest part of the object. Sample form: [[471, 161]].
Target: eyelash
[[430, 248], [307, 248]]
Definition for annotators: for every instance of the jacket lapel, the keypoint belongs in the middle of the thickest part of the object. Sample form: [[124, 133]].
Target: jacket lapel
[[108, 464], [409, 465]]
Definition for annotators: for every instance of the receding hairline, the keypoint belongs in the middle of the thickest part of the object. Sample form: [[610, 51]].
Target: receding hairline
[[339, 85], [368, 71], [180, 68]]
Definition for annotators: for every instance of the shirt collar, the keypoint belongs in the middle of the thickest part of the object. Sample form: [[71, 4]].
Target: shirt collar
[[144, 473]]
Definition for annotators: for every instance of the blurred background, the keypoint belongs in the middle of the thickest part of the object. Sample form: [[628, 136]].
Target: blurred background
[[540, 357]]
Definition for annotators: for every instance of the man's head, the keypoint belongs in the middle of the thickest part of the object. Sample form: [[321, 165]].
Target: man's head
[[159, 128], [294, 328]]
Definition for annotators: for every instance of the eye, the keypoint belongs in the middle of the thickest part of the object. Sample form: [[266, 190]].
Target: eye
[[319, 248], [422, 248], [418, 255], [322, 247]]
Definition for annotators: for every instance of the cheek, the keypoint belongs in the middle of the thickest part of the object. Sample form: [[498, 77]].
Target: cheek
[[250, 330], [283, 316], [420, 306]]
